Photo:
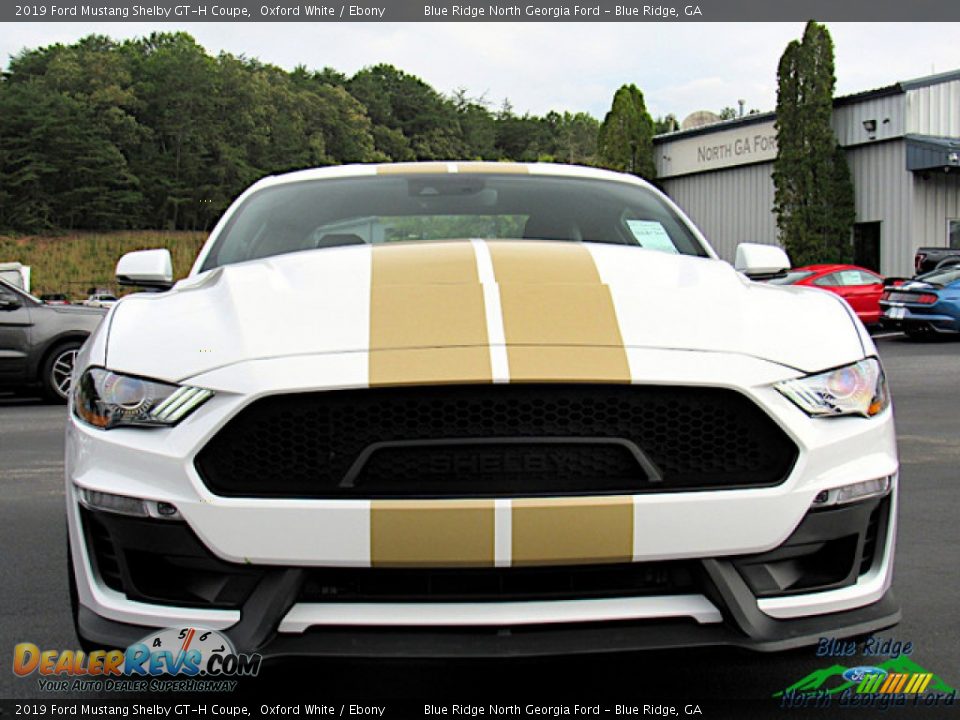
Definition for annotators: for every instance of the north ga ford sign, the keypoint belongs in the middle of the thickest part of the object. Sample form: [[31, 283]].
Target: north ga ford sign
[[712, 151]]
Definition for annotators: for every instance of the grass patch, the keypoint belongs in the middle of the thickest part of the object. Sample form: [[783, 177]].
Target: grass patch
[[76, 262]]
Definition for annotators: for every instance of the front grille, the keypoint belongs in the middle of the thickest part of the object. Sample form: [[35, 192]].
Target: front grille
[[498, 584], [495, 440]]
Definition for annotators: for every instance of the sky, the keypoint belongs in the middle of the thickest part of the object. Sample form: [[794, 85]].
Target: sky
[[573, 67]]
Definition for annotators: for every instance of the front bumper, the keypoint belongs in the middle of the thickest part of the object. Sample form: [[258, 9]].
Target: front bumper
[[753, 631], [784, 598], [281, 543]]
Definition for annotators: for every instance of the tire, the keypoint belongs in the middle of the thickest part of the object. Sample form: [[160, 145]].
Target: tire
[[56, 371], [918, 334]]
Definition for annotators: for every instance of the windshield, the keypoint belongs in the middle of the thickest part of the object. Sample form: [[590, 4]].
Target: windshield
[[315, 214], [943, 276], [790, 278], [19, 291]]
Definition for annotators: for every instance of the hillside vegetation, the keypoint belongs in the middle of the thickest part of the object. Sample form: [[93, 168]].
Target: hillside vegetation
[[74, 263]]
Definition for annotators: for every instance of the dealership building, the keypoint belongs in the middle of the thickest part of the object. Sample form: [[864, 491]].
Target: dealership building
[[903, 146]]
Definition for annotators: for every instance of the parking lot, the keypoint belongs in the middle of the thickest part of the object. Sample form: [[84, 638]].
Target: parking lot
[[925, 381]]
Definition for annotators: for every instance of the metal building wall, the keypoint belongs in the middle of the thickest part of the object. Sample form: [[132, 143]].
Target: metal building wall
[[883, 190], [887, 111], [934, 110], [736, 205], [936, 200], [730, 206]]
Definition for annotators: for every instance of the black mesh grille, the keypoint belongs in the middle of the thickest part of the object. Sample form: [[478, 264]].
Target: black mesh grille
[[504, 440], [497, 584]]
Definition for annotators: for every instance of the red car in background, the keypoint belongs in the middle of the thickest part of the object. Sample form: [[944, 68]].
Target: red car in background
[[858, 286]]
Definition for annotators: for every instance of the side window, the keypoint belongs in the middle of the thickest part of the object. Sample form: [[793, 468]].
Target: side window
[[827, 280], [853, 277]]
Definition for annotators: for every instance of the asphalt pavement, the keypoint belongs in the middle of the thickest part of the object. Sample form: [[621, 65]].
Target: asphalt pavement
[[925, 382]]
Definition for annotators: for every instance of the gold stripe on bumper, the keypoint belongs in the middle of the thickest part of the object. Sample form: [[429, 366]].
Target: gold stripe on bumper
[[438, 533], [576, 530]]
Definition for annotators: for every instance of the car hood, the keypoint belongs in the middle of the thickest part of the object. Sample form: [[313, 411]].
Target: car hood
[[522, 296]]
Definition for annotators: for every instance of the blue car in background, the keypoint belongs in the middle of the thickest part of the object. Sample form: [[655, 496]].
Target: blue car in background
[[927, 305]]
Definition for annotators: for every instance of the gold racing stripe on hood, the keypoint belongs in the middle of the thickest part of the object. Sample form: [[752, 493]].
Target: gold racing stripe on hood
[[413, 168], [558, 531], [431, 533], [493, 167], [427, 317], [559, 320]]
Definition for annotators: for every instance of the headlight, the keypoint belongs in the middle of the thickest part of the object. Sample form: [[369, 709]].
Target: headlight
[[107, 400], [858, 389]]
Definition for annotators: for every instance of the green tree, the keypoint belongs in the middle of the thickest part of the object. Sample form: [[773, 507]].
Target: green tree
[[571, 137], [519, 138], [175, 81], [477, 125], [154, 132], [625, 140], [405, 103], [58, 167], [814, 200], [665, 124]]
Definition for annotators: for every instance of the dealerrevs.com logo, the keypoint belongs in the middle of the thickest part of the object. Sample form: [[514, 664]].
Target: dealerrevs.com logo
[[188, 659]]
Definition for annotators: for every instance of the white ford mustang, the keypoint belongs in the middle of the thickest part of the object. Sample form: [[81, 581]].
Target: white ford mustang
[[476, 409]]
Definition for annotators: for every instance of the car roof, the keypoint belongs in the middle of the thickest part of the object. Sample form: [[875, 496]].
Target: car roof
[[459, 167], [831, 267]]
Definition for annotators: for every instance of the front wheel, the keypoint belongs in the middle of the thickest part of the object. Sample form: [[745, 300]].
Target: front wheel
[[57, 370]]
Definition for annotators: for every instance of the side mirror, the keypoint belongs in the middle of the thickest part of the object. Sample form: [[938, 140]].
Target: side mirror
[[761, 261], [8, 303], [147, 269]]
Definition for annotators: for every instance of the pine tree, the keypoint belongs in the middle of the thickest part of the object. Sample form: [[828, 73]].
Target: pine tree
[[814, 200], [625, 140]]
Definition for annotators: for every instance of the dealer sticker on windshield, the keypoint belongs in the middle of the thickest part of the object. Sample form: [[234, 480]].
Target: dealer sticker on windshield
[[651, 235]]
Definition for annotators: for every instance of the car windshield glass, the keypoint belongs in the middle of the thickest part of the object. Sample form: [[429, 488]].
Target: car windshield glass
[[790, 278], [19, 291], [315, 214], [943, 276]]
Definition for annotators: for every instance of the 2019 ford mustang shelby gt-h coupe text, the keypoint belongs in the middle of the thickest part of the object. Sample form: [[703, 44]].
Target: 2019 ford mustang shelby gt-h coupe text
[[477, 409]]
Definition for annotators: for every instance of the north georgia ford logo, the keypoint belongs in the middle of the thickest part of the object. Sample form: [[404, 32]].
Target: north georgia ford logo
[[188, 651]]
